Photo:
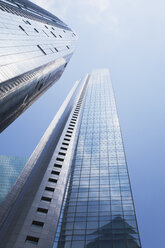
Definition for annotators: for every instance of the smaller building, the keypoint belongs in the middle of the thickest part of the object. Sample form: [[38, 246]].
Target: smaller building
[[11, 167]]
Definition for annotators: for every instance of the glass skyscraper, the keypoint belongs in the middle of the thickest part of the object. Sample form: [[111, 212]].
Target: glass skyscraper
[[35, 47], [76, 184], [98, 211]]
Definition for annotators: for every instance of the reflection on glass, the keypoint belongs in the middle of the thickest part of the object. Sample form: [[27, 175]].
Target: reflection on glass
[[117, 233]]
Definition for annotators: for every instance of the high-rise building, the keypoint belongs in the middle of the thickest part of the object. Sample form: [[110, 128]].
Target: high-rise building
[[74, 191], [35, 47], [10, 169]]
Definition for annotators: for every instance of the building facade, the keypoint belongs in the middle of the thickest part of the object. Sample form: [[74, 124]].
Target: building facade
[[10, 169], [76, 184], [35, 47]]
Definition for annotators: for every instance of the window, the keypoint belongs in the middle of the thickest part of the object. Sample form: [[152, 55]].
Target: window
[[66, 144], [41, 49], [32, 240], [45, 33], [62, 153], [55, 172], [60, 159], [52, 180], [68, 47], [67, 140], [53, 34], [67, 135], [63, 148], [71, 125], [49, 189], [70, 128], [42, 210], [60, 36], [58, 165], [28, 22], [44, 198], [36, 30], [69, 132], [22, 29], [56, 49], [37, 223]]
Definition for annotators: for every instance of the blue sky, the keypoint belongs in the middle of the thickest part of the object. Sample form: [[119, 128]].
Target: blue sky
[[126, 36]]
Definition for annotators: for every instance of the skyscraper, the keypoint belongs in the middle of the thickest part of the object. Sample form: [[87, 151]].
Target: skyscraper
[[75, 190], [35, 47]]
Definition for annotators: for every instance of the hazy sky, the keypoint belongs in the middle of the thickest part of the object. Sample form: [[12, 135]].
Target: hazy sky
[[128, 37]]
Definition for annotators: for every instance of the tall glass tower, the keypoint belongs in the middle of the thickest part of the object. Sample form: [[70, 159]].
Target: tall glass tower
[[76, 184], [35, 47]]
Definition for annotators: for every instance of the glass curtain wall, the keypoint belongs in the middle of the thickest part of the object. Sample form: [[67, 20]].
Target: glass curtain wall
[[98, 210]]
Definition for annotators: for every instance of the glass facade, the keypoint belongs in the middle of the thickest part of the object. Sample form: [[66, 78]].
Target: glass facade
[[35, 47], [11, 168], [98, 209]]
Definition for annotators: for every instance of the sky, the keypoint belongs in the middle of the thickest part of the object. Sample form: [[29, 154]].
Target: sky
[[126, 36]]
